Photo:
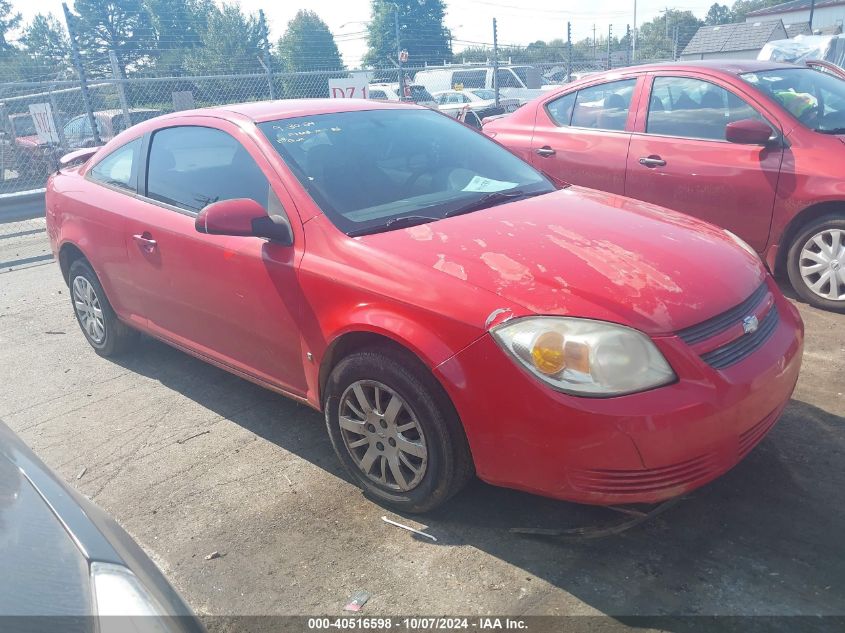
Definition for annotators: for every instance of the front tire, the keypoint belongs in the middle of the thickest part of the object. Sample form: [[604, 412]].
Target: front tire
[[107, 334], [816, 263], [395, 432]]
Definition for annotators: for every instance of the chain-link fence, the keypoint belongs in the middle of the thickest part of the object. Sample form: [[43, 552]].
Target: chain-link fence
[[41, 121]]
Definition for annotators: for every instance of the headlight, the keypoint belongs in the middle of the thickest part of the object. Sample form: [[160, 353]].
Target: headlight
[[742, 243], [584, 357], [117, 591]]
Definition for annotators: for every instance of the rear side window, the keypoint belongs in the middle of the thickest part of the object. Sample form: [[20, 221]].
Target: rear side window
[[469, 79], [605, 106], [692, 108], [118, 168], [560, 110], [378, 94], [191, 167]]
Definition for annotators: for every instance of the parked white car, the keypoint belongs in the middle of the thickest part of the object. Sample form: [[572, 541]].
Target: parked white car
[[481, 100], [390, 92], [518, 82]]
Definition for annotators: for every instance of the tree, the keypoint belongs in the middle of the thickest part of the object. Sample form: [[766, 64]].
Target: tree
[[122, 26], [231, 43], [46, 44], [307, 44], [741, 8], [664, 35], [421, 33], [178, 26], [8, 22], [718, 14]]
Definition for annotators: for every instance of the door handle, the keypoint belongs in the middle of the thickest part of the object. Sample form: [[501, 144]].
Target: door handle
[[146, 241], [652, 161], [545, 151]]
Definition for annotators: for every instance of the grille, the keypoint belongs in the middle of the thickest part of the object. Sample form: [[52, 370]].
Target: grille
[[740, 348], [750, 438], [719, 323], [621, 482]]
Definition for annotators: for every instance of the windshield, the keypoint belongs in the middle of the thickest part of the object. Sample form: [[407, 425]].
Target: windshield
[[419, 93], [816, 99], [522, 73], [24, 126], [368, 169], [484, 94]]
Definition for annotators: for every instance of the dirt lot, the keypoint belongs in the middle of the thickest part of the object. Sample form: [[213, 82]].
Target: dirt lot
[[192, 460]]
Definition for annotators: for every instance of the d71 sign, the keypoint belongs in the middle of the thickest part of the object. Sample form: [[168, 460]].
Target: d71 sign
[[349, 88]]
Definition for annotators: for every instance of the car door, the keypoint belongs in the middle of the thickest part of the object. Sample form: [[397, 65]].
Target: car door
[[679, 157], [582, 136], [234, 300]]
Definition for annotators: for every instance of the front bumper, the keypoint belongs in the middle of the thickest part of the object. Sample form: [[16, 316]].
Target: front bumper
[[639, 448]]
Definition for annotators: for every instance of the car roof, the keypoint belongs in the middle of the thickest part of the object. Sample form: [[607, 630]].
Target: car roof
[[731, 66], [260, 111]]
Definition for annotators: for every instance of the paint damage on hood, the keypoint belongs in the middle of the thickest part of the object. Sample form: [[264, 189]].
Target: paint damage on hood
[[585, 253]]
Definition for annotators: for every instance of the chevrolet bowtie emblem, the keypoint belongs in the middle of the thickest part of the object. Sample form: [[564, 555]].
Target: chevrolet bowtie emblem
[[750, 324]]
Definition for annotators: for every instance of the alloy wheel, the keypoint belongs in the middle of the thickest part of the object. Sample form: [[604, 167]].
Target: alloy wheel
[[382, 434], [822, 264], [88, 309]]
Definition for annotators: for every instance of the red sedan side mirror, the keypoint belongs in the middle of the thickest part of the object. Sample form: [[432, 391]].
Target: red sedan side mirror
[[242, 217], [748, 132]]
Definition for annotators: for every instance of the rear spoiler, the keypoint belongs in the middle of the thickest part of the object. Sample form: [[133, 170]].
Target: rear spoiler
[[78, 156]]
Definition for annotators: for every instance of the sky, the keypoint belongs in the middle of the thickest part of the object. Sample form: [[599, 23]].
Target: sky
[[519, 21]]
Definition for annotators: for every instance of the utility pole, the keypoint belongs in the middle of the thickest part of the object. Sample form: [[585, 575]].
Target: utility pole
[[80, 70], [399, 53], [609, 35], [595, 59], [495, 62], [569, 51]]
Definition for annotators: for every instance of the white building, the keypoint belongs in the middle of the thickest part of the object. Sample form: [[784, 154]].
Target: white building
[[828, 16]]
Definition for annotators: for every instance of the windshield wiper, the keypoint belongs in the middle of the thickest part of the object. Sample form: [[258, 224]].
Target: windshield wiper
[[393, 223], [491, 199]]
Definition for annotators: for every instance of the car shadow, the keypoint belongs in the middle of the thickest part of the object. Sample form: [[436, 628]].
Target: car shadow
[[765, 539]]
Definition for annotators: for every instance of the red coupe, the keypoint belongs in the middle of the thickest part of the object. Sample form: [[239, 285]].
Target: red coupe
[[755, 147], [448, 307]]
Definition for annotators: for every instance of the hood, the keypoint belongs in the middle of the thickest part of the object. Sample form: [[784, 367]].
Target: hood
[[585, 253]]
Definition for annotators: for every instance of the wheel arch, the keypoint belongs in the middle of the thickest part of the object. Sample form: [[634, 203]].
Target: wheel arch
[[802, 219], [356, 340], [69, 253]]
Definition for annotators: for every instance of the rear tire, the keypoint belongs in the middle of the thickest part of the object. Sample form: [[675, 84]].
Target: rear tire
[[107, 334], [816, 263], [395, 432]]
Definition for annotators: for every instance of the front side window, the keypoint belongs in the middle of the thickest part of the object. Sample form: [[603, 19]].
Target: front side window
[[560, 110], [605, 106], [692, 108], [191, 167], [816, 99], [507, 79], [118, 168], [379, 170], [378, 94]]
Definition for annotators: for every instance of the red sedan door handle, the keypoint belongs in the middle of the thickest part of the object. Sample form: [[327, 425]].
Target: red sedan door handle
[[545, 151], [652, 161], [146, 241]]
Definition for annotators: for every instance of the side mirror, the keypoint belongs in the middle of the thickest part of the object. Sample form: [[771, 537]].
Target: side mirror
[[748, 132], [242, 217]]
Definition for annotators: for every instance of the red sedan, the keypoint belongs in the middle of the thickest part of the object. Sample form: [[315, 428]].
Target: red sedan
[[754, 147], [445, 305]]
